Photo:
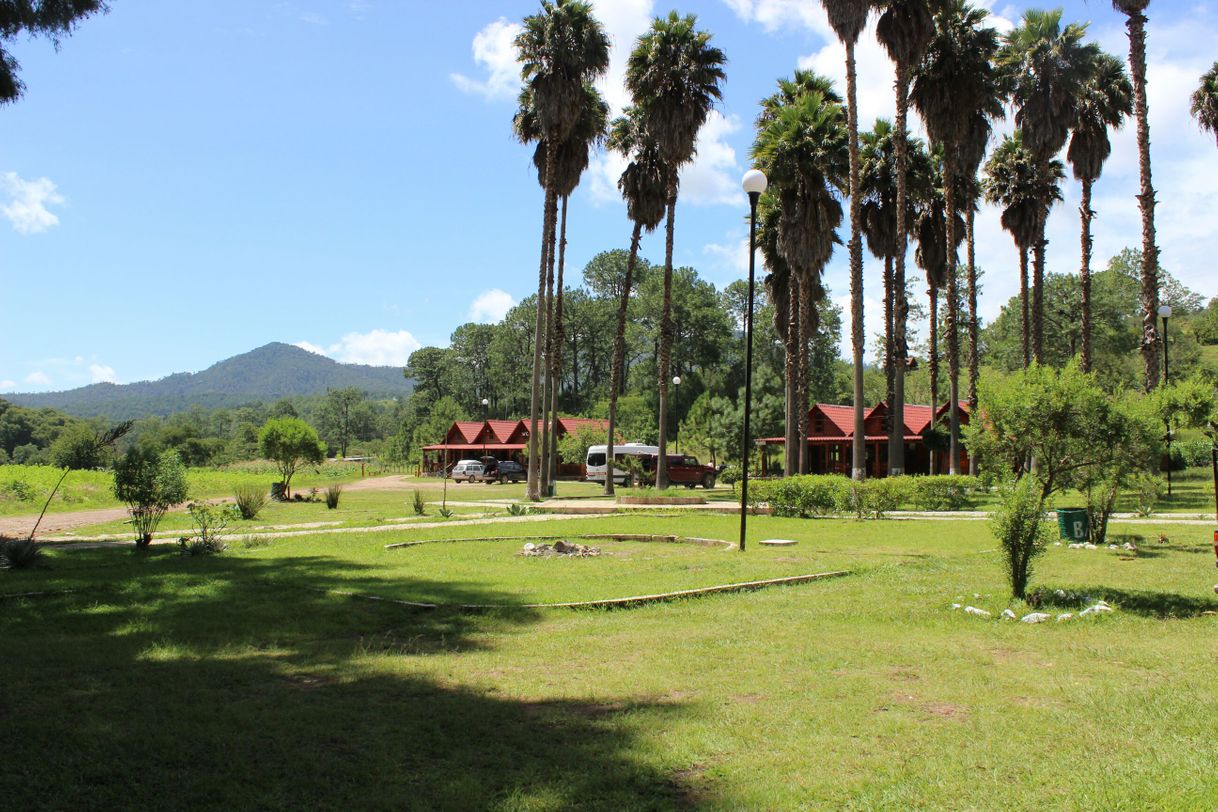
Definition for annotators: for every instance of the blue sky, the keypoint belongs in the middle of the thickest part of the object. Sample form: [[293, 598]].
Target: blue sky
[[186, 181]]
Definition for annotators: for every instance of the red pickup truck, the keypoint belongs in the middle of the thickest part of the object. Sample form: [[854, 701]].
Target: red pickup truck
[[683, 470]]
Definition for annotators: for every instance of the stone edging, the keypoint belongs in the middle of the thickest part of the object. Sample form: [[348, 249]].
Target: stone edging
[[603, 536]]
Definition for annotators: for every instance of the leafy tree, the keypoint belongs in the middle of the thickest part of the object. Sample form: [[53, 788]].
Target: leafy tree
[[1204, 100], [290, 442], [433, 428], [712, 424], [430, 369], [77, 448], [561, 50], [573, 447], [35, 18], [1021, 528], [150, 484], [341, 418], [674, 76]]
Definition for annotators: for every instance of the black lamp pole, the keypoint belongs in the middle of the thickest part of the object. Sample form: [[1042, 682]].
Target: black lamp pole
[[754, 184]]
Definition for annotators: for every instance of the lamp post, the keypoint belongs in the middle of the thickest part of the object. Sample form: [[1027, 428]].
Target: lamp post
[[485, 416], [1165, 314], [754, 183], [676, 440]]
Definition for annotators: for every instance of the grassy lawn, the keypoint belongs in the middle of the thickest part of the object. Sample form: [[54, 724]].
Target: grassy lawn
[[222, 683]]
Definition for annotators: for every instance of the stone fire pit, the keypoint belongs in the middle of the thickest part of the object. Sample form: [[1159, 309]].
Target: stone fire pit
[[560, 548]]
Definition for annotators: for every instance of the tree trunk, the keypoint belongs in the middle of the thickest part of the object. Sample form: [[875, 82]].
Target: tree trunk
[[896, 440], [974, 356], [932, 366], [953, 321], [534, 481], [1038, 291], [619, 353], [858, 462], [556, 361], [890, 370], [666, 338], [1025, 331], [1084, 274], [791, 370], [805, 307], [1136, 26], [547, 380]]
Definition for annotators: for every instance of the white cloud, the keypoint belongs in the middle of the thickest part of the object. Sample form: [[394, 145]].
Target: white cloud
[[100, 373], [27, 208], [313, 18], [491, 306], [375, 348], [714, 176], [495, 51], [7, 386], [38, 378]]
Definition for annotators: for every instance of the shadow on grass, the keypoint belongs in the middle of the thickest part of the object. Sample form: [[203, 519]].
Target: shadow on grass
[[1147, 603], [213, 683]]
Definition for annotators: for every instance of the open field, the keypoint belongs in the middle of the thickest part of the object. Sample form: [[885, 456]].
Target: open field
[[240, 681]]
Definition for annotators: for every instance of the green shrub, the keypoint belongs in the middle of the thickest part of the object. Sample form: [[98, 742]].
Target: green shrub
[[333, 492], [445, 513], [808, 496], [211, 525], [21, 554], [1190, 454], [250, 501], [875, 498], [1146, 489], [420, 507], [517, 509], [731, 474], [1020, 527], [946, 492], [18, 489], [150, 484]]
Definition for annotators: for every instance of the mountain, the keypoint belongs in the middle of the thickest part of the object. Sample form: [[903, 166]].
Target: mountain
[[265, 374]]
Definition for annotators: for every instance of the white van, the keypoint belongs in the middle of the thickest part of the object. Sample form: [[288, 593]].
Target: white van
[[597, 458]]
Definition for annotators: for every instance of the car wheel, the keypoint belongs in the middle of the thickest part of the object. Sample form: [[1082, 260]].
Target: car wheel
[[708, 481]]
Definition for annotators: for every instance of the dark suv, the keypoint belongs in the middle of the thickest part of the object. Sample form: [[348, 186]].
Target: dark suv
[[504, 471], [683, 470]]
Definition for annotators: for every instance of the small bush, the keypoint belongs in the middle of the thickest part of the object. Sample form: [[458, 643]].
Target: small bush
[[517, 509], [21, 554], [1019, 525], [945, 492], [211, 525], [808, 496], [1190, 454], [875, 498], [250, 501], [445, 513], [333, 492], [1147, 490], [18, 489], [420, 507], [731, 474]]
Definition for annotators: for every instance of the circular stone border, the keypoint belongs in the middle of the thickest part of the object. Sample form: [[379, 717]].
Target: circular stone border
[[651, 537], [661, 500]]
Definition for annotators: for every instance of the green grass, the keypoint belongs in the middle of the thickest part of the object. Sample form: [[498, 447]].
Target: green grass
[[24, 488], [222, 683]]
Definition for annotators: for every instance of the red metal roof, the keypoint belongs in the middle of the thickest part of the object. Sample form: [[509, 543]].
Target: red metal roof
[[475, 447], [466, 429], [569, 425], [917, 418], [502, 430]]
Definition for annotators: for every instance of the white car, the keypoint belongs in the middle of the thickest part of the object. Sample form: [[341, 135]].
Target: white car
[[468, 470]]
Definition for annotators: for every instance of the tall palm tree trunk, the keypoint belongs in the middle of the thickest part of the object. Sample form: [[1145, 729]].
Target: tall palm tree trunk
[[1084, 274], [547, 227], [1025, 324], [896, 440], [932, 367], [953, 320], [805, 312], [555, 359], [619, 354], [791, 371], [858, 463], [974, 357], [1038, 292], [890, 370], [666, 337], [547, 380], [1136, 26]]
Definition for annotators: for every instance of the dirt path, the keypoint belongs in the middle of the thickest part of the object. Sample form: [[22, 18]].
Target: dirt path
[[20, 526]]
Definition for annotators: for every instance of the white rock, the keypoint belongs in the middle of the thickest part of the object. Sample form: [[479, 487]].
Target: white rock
[[955, 606], [1035, 617], [1113, 547], [973, 610], [1007, 614], [1065, 616], [1097, 609], [1059, 593], [1074, 546], [530, 547], [1130, 547], [1088, 546], [1057, 544]]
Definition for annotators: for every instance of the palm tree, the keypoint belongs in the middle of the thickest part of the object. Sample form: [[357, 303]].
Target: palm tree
[[848, 18], [802, 146], [881, 223], [1104, 101], [644, 185], [673, 75], [1025, 188], [955, 84], [931, 256], [560, 49], [1205, 101], [1045, 67], [1135, 25], [904, 29], [782, 289]]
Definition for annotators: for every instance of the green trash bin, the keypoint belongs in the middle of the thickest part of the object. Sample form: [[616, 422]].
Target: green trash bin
[[1073, 524]]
